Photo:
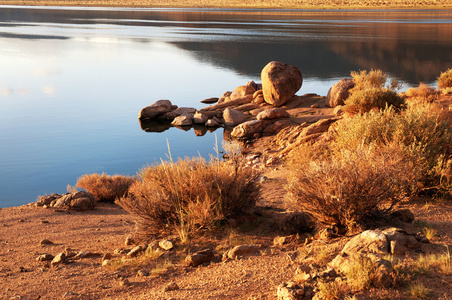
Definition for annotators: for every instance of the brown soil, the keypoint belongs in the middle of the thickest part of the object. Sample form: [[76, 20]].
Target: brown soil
[[105, 229]]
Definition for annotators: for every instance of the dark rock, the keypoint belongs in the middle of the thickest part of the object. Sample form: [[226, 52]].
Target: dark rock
[[199, 258]]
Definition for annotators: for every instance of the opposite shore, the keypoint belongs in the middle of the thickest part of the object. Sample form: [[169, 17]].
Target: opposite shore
[[271, 4]]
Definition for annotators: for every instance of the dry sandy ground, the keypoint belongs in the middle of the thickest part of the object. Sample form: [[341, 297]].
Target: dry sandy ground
[[105, 229], [335, 4]]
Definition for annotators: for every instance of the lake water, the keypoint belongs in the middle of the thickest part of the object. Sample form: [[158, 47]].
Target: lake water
[[73, 80]]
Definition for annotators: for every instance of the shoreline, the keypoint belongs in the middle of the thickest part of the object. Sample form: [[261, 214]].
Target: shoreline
[[235, 4]]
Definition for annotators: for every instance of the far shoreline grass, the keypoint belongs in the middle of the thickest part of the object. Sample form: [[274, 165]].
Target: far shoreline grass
[[236, 4]]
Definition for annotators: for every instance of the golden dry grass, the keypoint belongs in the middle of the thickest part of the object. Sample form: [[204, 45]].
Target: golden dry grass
[[191, 195], [105, 187]]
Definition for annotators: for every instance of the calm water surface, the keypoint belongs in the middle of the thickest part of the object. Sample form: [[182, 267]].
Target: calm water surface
[[72, 81]]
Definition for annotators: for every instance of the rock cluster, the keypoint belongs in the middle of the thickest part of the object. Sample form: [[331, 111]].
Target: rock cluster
[[251, 110], [373, 246], [77, 201]]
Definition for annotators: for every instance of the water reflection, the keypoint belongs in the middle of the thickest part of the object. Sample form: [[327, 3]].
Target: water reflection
[[414, 46], [77, 78], [150, 125]]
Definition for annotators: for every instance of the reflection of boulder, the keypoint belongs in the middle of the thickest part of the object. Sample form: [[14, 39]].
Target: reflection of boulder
[[200, 130], [154, 126]]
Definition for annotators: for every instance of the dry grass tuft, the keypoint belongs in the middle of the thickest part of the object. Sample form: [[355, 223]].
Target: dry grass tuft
[[419, 291], [104, 187], [191, 194]]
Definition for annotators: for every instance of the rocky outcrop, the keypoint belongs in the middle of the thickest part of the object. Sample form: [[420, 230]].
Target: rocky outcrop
[[280, 82], [374, 244], [250, 108], [156, 109], [339, 92], [77, 201]]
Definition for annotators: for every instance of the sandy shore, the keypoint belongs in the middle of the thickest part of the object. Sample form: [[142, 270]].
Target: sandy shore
[[288, 4]]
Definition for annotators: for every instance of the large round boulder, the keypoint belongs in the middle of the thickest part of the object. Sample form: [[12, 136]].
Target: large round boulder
[[339, 92], [280, 82]]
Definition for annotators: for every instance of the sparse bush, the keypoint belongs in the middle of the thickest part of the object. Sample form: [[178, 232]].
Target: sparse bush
[[422, 132], [363, 101], [346, 189], [370, 92], [105, 187], [445, 79], [367, 80], [422, 94], [190, 194]]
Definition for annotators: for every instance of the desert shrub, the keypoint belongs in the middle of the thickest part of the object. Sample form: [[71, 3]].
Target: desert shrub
[[420, 131], [105, 187], [362, 101], [372, 93], [190, 194], [347, 189], [422, 94], [445, 79], [367, 80]]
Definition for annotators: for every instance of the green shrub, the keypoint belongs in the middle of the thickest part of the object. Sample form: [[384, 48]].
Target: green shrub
[[190, 194], [445, 79], [105, 187]]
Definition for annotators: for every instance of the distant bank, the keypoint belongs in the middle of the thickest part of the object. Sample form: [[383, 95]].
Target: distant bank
[[285, 4]]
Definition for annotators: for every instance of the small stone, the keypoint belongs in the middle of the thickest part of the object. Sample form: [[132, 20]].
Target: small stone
[[135, 251], [45, 242], [44, 222], [107, 256], [166, 245], [214, 122], [143, 273], [106, 262], [199, 258], [125, 281], [241, 250], [210, 100], [182, 120], [172, 286], [45, 257], [129, 241], [58, 259]]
